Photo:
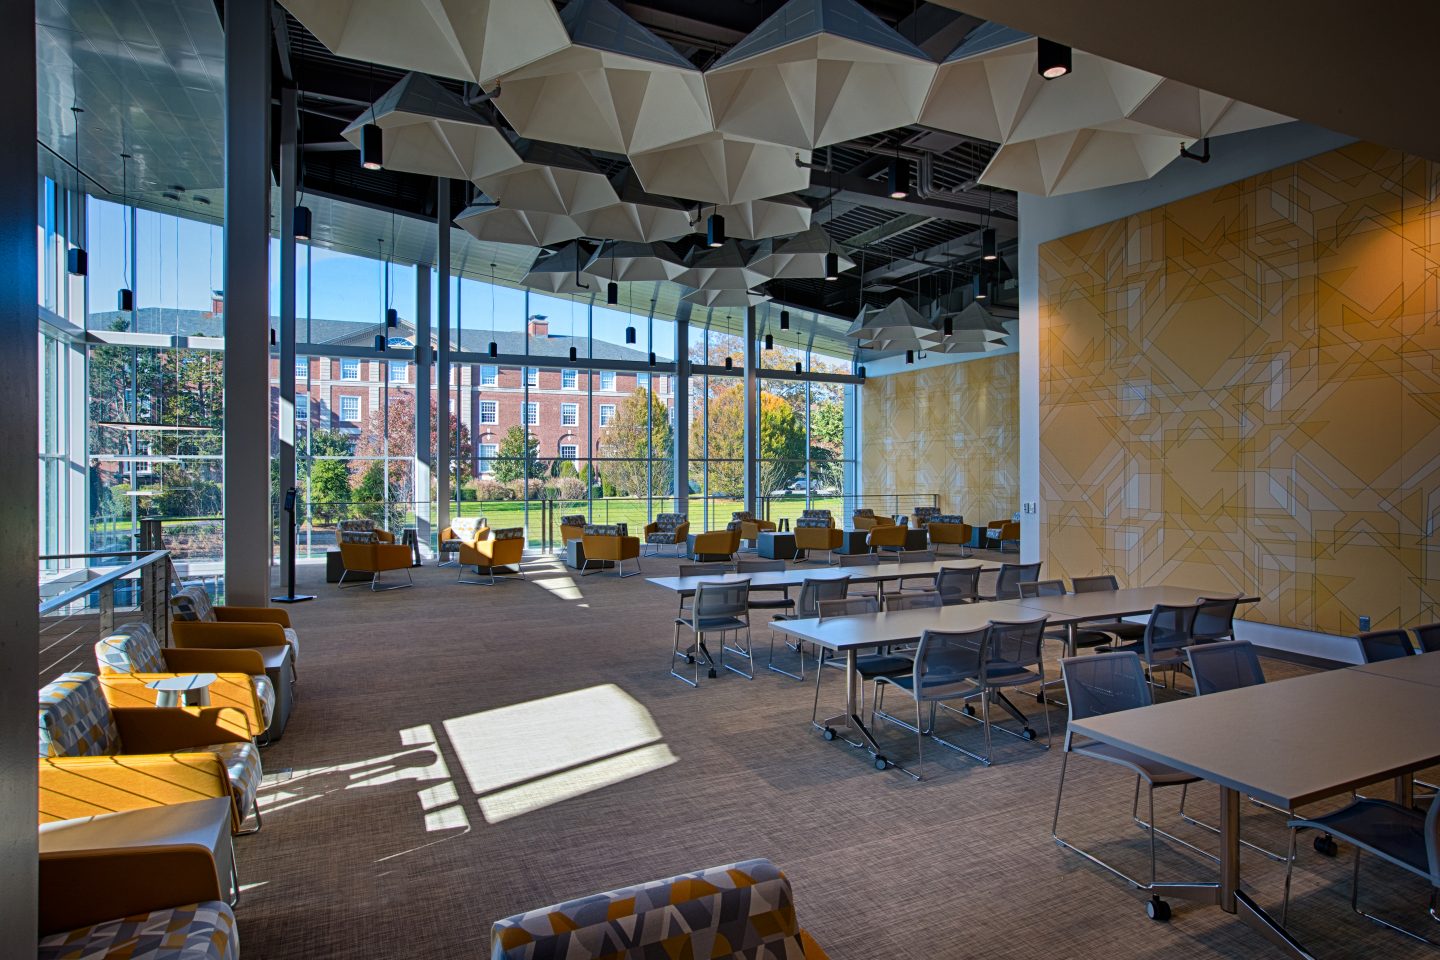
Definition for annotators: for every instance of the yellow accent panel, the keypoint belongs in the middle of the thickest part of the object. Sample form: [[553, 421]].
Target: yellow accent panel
[[952, 430], [1241, 390]]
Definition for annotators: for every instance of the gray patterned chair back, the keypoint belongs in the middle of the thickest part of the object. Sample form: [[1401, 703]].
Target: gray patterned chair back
[[573, 520], [606, 530], [954, 518], [508, 533], [193, 603], [737, 518], [924, 515], [357, 531], [132, 648], [815, 518]]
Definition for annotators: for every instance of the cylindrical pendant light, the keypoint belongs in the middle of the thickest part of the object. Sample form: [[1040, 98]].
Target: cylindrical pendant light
[[573, 354], [652, 359], [494, 349], [861, 372], [714, 230], [372, 151], [909, 356], [899, 180], [302, 223], [125, 298], [1053, 60], [799, 367], [949, 324], [980, 286], [629, 334], [769, 341], [832, 266], [379, 343], [612, 293], [729, 363], [987, 244], [77, 261], [392, 317], [784, 319]]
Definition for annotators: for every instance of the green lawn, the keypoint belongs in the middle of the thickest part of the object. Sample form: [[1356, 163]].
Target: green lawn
[[511, 513]]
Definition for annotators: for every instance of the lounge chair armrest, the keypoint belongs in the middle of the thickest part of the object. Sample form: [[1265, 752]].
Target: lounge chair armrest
[[79, 888], [177, 729], [72, 787], [384, 536], [231, 614], [220, 636], [201, 660]]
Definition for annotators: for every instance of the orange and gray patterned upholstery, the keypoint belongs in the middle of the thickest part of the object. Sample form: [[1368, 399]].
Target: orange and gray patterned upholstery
[[357, 531], [744, 911], [924, 515], [75, 721], [508, 533], [815, 518], [196, 931], [132, 648], [193, 603], [666, 525]]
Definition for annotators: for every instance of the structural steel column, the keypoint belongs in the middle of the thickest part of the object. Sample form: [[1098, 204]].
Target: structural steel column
[[20, 520], [422, 404], [248, 517], [680, 397], [442, 364], [286, 422], [752, 417]]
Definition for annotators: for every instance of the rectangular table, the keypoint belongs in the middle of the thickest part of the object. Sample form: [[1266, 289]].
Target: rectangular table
[[1288, 743], [1424, 668], [882, 572], [777, 545]]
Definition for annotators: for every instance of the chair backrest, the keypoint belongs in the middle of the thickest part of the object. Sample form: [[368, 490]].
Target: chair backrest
[[514, 533], [1098, 584], [466, 527], [913, 601], [759, 566], [741, 910], [858, 559], [356, 531], [704, 569], [192, 603], [817, 514], [1428, 637], [848, 607], [75, 720], [569, 520], [815, 592], [1042, 588], [739, 517], [1171, 627], [958, 584], [1103, 683], [953, 653], [1378, 645], [1228, 665], [1007, 582], [714, 600], [916, 556], [669, 522], [603, 530], [1215, 620], [1015, 643], [132, 648]]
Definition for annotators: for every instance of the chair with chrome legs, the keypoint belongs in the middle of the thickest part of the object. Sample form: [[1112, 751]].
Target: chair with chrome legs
[[1122, 630], [1107, 683], [1014, 657], [1215, 620], [863, 560], [812, 594], [1007, 580], [1428, 637], [1170, 630], [868, 666], [946, 667], [768, 599], [923, 584], [722, 608], [1083, 638], [1379, 645], [700, 570], [958, 585]]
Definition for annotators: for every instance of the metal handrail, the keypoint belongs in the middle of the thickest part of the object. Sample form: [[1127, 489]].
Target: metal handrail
[[90, 586]]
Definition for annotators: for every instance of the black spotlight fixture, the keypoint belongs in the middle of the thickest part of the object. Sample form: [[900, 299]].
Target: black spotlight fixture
[[652, 359], [1052, 59], [274, 338], [784, 319], [981, 286], [379, 343], [799, 367], [494, 349], [573, 355], [769, 341], [832, 266], [372, 151], [987, 245], [899, 178], [302, 223], [612, 293], [714, 230], [949, 324], [909, 356], [392, 317], [861, 373], [729, 363], [77, 261], [125, 301]]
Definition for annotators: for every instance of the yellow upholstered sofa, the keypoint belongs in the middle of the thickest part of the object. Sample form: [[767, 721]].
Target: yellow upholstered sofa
[[950, 529], [610, 542], [501, 548]]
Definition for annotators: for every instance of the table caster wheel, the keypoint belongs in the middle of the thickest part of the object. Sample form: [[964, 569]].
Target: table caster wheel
[[1326, 846], [1028, 733], [712, 674], [828, 733], [689, 659], [881, 763], [968, 710], [1158, 910]]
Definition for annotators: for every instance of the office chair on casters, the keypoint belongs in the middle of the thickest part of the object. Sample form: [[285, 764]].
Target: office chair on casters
[[721, 608], [1107, 683], [812, 594]]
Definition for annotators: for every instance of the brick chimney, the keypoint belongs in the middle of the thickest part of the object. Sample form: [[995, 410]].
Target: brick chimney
[[538, 327], [217, 303]]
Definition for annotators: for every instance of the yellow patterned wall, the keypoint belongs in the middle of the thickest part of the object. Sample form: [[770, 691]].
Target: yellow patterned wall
[[1240, 390], [952, 430]]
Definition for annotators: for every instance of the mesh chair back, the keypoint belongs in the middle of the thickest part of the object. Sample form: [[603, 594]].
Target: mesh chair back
[[815, 592], [1042, 588], [1171, 628], [859, 559], [1224, 666], [1381, 645], [1097, 584], [1215, 620], [1007, 582], [704, 569], [1014, 644], [1428, 637], [759, 566], [916, 556], [849, 607], [1103, 683], [958, 584], [913, 601], [953, 655], [714, 601]]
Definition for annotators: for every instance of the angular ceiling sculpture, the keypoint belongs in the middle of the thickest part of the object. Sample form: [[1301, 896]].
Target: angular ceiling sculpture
[[725, 298], [561, 271], [635, 262], [551, 179], [1083, 159], [470, 40], [818, 72], [896, 326], [800, 256], [723, 268], [985, 85], [719, 168], [506, 225], [616, 86], [638, 217], [772, 217], [428, 130], [1187, 111], [973, 330]]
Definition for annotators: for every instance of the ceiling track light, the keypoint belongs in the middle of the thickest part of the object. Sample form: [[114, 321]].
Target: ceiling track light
[[784, 319], [899, 180], [1053, 60], [612, 293], [629, 334], [372, 150], [302, 223], [832, 266], [987, 245], [714, 230]]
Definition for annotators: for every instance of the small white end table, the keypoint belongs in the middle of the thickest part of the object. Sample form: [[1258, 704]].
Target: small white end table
[[170, 690]]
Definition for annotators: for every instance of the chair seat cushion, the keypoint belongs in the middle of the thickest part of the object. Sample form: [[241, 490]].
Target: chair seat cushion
[[265, 693], [776, 603], [1156, 773], [242, 763], [876, 664], [716, 623], [197, 931], [661, 537]]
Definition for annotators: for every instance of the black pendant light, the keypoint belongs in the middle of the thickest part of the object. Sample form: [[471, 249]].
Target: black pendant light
[[799, 367], [612, 293], [392, 317], [769, 341], [379, 343], [274, 338], [494, 347], [652, 359], [949, 324], [987, 244], [784, 319], [1053, 59], [302, 223], [77, 261], [573, 354], [899, 180], [980, 286], [714, 230], [861, 372], [629, 334], [125, 299], [729, 363], [909, 356], [832, 266], [372, 153]]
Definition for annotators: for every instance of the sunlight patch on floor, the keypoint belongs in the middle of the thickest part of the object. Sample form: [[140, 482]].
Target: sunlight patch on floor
[[559, 584]]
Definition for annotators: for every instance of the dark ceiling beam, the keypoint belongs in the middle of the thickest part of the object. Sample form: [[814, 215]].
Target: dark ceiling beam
[[962, 208], [281, 28], [893, 228]]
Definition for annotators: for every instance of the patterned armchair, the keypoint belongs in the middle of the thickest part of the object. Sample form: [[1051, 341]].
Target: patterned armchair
[[744, 911], [364, 549], [503, 548], [611, 541], [716, 544], [133, 653], [815, 530], [888, 536], [865, 519], [922, 516], [950, 528], [95, 758], [1009, 533], [461, 530], [572, 527], [668, 529], [198, 623], [748, 525], [168, 901], [362, 531]]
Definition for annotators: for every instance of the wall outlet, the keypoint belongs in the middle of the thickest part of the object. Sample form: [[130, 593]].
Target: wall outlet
[[1364, 624]]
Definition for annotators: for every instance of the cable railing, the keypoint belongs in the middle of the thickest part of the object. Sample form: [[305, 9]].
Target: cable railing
[[81, 604]]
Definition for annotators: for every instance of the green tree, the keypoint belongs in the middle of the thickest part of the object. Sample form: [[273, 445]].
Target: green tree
[[329, 479], [370, 492], [514, 451], [827, 441], [626, 444], [782, 440]]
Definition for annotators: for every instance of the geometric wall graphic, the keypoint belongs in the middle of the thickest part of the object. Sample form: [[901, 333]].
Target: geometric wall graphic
[[1240, 390], [953, 430]]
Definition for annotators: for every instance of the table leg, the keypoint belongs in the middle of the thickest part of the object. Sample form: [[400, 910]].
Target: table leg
[[1405, 790], [167, 698], [1237, 901], [852, 717]]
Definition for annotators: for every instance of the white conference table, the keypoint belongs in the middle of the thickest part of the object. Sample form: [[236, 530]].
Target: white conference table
[[882, 572], [1289, 743]]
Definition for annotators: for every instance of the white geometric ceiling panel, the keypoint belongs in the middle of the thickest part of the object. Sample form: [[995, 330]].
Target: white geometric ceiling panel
[[635, 262], [799, 257], [639, 216], [525, 227], [560, 272], [1084, 159], [470, 40], [818, 72], [428, 130], [984, 85], [616, 86], [723, 268], [895, 326], [725, 298], [1187, 111], [552, 179], [720, 168], [777, 216]]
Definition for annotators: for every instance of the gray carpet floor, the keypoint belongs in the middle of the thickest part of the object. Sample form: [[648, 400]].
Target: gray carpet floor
[[459, 753]]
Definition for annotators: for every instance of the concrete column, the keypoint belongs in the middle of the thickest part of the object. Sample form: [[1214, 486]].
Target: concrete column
[[680, 400], [247, 304], [752, 415], [19, 521], [289, 121], [442, 360], [422, 404]]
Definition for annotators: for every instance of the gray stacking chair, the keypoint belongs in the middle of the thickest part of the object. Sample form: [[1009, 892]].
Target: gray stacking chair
[[946, 667], [1170, 630], [1006, 585], [1014, 658], [722, 608], [700, 570], [1056, 588], [1215, 620], [958, 585], [1122, 630], [1378, 645], [1107, 683], [863, 560], [869, 665], [1428, 637], [812, 593], [768, 601], [913, 584], [912, 601]]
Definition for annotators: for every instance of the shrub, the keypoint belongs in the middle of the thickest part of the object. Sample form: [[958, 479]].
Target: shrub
[[491, 490], [518, 490], [572, 488]]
